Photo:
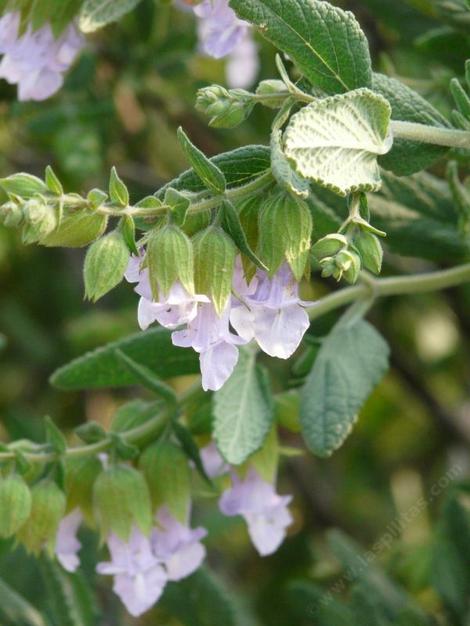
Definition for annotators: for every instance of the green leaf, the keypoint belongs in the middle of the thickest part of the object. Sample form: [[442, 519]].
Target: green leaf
[[54, 436], [190, 448], [232, 225], [103, 368], [335, 141], [243, 410], [325, 42], [118, 191], [52, 182], [409, 157], [14, 609], [105, 265], [179, 204], [23, 185], [127, 229], [240, 166], [283, 172], [134, 413], [208, 172], [76, 230], [97, 13], [349, 364], [147, 378]]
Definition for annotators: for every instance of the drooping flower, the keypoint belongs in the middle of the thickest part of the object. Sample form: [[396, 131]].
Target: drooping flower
[[67, 545], [178, 307], [265, 512], [36, 60], [274, 314], [209, 334], [139, 577], [177, 546]]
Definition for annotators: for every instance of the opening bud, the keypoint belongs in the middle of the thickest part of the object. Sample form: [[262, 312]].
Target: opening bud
[[121, 499], [48, 508], [348, 265], [40, 220], [15, 504], [105, 264], [11, 214], [329, 246], [227, 109], [170, 259]]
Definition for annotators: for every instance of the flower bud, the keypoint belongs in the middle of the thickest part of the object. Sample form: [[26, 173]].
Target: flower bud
[[15, 504], [47, 510], [105, 264], [285, 229], [227, 109], [11, 213], [349, 266], [76, 230], [121, 499], [168, 475], [329, 246], [272, 93], [80, 476], [40, 220], [169, 259], [370, 250], [214, 264]]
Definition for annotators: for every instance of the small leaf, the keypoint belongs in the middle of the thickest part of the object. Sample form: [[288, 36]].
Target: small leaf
[[335, 141], [349, 364], [208, 172], [232, 225], [127, 228], [243, 410], [52, 182], [179, 205], [96, 198], [97, 13], [91, 432], [76, 230], [147, 378], [117, 189], [23, 185], [54, 437]]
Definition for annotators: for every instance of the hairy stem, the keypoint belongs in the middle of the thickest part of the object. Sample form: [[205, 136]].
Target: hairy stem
[[394, 286], [448, 137]]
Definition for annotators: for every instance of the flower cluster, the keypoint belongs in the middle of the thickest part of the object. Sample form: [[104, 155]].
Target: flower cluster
[[265, 309], [222, 34], [36, 61]]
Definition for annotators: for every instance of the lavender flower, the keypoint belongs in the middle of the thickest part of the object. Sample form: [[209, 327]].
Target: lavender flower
[[214, 464], [274, 315], [67, 544], [264, 511], [36, 60], [142, 566]]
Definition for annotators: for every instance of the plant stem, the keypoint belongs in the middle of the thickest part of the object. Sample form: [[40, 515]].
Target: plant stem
[[153, 426], [394, 286], [448, 137]]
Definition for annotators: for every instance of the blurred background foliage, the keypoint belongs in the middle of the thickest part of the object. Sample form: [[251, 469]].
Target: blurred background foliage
[[132, 87]]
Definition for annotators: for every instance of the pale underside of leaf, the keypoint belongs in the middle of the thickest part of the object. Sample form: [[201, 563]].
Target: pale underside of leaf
[[335, 141], [97, 13]]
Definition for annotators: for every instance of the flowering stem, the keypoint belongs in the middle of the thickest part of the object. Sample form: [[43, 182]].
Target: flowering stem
[[153, 426], [448, 137], [393, 286]]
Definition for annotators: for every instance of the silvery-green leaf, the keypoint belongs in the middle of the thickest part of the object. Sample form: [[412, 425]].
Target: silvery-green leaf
[[97, 13], [335, 141], [283, 172]]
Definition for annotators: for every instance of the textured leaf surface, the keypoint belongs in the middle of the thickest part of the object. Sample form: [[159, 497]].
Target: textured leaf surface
[[409, 157], [335, 141], [243, 411], [325, 42], [351, 361], [97, 13], [103, 368]]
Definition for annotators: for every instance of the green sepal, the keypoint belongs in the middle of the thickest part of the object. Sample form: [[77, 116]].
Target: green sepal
[[15, 504], [23, 185], [285, 229], [329, 245], [169, 259], [210, 174], [80, 476], [54, 437], [52, 182], [370, 250], [127, 228], [121, 499], [179, 205], [47, 509], [76, 230], [214, 263], [118, 191], [96, 198], [232, 225], [168, 475], [105, 265]]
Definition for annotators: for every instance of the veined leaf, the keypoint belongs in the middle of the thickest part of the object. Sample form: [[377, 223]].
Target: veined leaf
[[243, 410], [210, 174], [335, 141], [325, 42], [103, 368], [97, 13], [350, 362]]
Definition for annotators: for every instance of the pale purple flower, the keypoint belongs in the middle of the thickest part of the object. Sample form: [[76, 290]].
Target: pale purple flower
[[265, 512], [139, 577], [36, 60], [67, 545], [209, 334], [274, 314], [177, 546], [178, 307], [243, 63], [212, 461]]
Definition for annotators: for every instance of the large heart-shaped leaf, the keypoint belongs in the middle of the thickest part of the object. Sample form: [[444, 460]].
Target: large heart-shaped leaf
[[335, 141]]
